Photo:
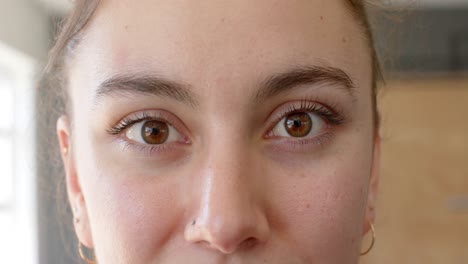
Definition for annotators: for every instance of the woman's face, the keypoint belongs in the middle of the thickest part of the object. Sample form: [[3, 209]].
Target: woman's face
[[221, 132]]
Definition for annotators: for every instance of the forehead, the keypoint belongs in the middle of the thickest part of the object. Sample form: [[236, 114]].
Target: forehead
[[196, 40]]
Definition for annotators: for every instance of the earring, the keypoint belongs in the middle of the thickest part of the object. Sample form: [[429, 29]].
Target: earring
[[372, 242], [83, 255]]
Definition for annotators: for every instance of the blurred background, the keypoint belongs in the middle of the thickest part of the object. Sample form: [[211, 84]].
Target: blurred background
[[422, 212]]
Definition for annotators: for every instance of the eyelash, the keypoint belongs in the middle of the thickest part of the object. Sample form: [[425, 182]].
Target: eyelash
[[126, 123], [146, 150], [331, 117], [136, 118]]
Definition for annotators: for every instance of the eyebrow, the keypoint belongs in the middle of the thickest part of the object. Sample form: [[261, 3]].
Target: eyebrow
[[122, 84], [308, 75]]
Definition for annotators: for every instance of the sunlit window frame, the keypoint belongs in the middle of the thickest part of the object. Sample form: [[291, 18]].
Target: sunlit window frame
[[21, 69]]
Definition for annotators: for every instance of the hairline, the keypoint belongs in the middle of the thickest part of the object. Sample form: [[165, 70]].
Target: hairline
[[68, 40]]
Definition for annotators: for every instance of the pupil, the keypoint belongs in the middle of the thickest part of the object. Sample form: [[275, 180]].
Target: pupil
[[297, 123], [152, 131]]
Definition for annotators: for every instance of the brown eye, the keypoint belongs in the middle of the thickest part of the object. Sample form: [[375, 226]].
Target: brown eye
[[298, 124], [154, 132]]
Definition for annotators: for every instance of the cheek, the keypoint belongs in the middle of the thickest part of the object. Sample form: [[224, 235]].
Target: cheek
[[321, 205], [132, 219]]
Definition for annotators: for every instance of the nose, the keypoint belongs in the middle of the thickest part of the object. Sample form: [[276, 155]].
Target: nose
[[229, 215]]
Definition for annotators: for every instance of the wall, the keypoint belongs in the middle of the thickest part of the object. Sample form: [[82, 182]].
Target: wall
[[25, 26], [422, 209], [422, 40]]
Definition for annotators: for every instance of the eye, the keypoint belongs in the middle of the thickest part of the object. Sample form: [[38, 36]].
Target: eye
[[153, 132], [300, 125]]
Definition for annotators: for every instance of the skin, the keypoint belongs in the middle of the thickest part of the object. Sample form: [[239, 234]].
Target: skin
[[229, 192]]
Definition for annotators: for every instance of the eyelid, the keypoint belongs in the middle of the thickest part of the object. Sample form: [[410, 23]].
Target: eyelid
[[150, 114], [318, 123], [303, 105]]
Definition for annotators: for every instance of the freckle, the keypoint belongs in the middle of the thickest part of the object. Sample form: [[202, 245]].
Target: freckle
[[344, 40], [321, 17], [193, 222], [308, 205]]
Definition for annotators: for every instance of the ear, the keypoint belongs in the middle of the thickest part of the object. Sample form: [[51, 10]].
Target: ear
[[75, 194], [373, 184]]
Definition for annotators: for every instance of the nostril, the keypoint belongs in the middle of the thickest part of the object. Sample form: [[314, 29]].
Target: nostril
[[249, 243], [205, 244]]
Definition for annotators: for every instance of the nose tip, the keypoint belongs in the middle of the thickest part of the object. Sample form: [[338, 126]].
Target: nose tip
[[228, 235]]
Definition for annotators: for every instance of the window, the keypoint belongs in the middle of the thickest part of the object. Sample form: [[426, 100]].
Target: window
[[6, 141], [18, 239]]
